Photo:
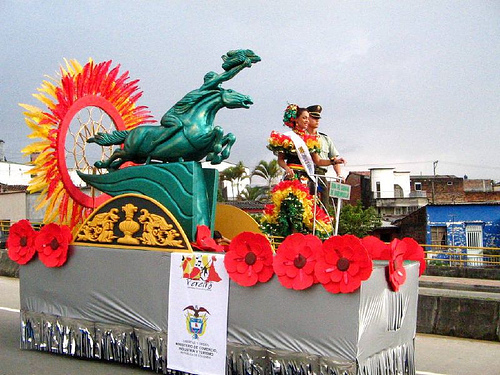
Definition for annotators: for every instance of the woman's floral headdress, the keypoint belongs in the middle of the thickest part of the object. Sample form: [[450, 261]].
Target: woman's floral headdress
[[290, 115]]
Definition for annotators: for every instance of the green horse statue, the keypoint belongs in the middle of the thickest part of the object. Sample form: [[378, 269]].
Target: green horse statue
[[187, 131]]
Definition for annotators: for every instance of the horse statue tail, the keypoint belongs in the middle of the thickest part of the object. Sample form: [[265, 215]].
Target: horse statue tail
[[108, 139]]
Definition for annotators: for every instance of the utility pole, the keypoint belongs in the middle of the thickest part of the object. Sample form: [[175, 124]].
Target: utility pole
[[434, 166]]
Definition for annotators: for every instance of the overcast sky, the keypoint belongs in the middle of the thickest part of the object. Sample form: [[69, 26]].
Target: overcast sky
[[402, 83]]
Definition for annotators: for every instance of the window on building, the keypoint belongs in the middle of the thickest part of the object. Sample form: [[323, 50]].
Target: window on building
[[378, 189], [418, 186], [399, 210], [474, 235], [438, 235]]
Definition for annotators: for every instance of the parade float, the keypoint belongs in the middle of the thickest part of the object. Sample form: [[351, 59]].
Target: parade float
[[128, 271]]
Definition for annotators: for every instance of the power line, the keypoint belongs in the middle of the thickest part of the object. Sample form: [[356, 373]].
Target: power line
[[468, 165], [423, 162], [389, 164]]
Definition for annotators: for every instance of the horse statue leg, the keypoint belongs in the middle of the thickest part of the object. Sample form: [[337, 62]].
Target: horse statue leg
[[224, 148], [112, 163], [217, 145], [227, 142]]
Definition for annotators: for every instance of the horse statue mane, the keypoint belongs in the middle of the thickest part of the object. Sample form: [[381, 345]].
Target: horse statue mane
[[186, 131], [187, 102]]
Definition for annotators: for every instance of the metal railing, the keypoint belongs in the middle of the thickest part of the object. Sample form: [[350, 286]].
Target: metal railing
[[275, 241], [462, 256], [5, 228], [446, 255]]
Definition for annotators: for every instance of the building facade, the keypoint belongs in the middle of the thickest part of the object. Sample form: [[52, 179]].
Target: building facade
[[396, 193], [360, 187], [449, 225], [386, 189]]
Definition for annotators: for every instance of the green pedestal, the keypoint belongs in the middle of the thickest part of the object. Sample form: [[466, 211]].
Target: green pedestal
[[188, 191]]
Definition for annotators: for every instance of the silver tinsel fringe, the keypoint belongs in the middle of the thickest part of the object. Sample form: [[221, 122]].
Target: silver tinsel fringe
[[399, 360], [148, 349]]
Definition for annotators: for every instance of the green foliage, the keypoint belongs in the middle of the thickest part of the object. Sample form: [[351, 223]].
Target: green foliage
[[220, 196], [256, 216], [234, 175], [289, 219], [254, 193], [357, 220], [438, 263], [269, 171]]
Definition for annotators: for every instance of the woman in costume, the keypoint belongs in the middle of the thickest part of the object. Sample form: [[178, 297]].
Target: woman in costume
[[297, 150], [293, 208]]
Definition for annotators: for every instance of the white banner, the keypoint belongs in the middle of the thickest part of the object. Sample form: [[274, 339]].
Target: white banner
[[197, 313], [303, 154]]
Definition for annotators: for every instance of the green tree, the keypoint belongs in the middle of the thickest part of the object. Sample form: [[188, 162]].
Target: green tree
[[254, 193], [359, 221], [234, 175], [269, 171], [220, 195]]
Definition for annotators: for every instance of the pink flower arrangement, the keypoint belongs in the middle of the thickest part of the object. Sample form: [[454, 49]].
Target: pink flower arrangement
[[51, 243], [397, 272], [377, 249], [343, 264], [204, 240], [249, 259], [295, 260], [20, 243], [414, 252], [396, 252]]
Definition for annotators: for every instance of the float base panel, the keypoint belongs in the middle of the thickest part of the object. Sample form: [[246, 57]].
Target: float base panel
[[112, 304]]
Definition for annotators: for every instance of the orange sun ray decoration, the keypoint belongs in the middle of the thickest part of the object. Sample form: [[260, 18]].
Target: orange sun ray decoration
[[93, 85]]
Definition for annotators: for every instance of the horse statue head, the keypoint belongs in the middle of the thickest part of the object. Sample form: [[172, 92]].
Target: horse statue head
[[233, 99]]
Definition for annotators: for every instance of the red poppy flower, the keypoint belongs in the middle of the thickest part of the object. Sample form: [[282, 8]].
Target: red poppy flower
[[204, 241], [415, 252], [377, 249], [342, 264], [249, 259], [397, 272], [20, 243], [295, 260], [52, 244]]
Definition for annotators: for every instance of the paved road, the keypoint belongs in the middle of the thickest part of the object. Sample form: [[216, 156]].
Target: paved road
[[434, 354]]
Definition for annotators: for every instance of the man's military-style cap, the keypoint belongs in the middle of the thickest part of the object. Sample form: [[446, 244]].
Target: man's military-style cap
[[314, 111]]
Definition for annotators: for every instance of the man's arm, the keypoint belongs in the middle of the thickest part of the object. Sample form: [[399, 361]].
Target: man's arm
[[338, 169]]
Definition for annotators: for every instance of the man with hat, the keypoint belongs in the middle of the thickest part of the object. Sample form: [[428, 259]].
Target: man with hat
[[328, 151]]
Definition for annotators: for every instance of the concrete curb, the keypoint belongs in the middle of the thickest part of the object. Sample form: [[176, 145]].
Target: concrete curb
[[458, 313], [459, 286], [464, 272]]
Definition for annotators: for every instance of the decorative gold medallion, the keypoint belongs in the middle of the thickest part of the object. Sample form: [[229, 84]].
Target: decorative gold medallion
[[133, 221], [129, 226], [156, 231], [100, 228]]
